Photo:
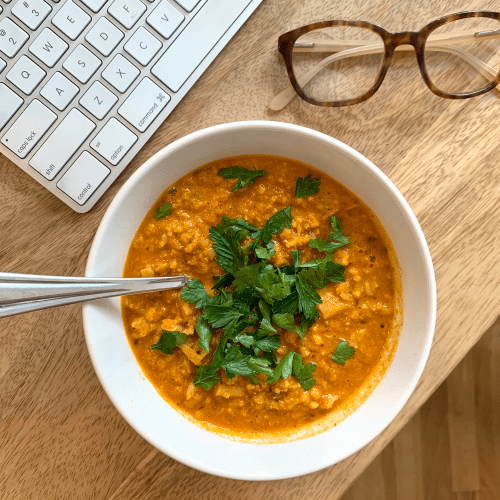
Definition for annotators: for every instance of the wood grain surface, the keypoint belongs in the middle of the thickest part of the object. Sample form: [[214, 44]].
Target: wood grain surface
[[60, 437]]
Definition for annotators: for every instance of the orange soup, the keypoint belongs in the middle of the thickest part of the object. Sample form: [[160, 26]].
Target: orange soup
[[292, 312]]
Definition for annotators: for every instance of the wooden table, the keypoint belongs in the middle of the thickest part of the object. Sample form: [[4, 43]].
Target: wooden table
[[60, 437]]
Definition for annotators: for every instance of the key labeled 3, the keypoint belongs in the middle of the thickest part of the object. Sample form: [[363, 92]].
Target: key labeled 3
[[31, 12]]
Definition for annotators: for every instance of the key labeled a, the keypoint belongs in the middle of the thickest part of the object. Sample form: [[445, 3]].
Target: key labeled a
[[59, 91]]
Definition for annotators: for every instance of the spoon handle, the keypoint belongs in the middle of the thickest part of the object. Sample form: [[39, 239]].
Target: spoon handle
[[20, 293]]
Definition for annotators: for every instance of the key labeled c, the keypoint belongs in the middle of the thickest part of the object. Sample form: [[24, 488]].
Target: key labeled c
[[140, 45]]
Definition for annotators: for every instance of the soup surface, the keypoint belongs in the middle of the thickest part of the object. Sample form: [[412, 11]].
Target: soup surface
[[292, 312]]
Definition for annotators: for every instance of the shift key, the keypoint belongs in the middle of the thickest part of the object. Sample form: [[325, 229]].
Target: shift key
[[144, 104], [29, 128]]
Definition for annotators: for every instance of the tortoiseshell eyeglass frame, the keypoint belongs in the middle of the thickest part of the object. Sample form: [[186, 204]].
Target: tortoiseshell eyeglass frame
[[391, 41]]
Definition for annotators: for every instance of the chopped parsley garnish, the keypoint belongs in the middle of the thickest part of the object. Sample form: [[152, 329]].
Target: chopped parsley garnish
[[336, 235], [169, 340], [343, 352], [253, 299], [306, 186], [244, 175], [163, 211]]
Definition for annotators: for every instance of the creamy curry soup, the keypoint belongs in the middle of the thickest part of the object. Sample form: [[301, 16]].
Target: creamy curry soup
[[293, 309]]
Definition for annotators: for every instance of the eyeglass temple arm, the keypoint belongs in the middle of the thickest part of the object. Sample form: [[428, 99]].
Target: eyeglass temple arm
[[315, 45], [284, 97]]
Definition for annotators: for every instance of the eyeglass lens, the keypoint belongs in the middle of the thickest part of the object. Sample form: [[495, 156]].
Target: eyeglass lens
[[449, 48], [332, 64]]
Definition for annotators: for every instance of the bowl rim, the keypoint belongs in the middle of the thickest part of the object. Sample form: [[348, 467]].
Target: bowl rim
[[192, 138]]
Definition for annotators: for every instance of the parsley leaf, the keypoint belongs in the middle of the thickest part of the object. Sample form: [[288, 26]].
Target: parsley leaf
[[306, 186], [336, 234], [269, 343], [343, 352], [163, 211], [322, 272], [169, 340], [285, 321], [221, 316], [303, 373], [230, 254], [204, 333], [276, 223], [244, 175], [194, 292], [308, 298], [206, 376], [283, 368], [247, 276], [240, 224], [236, 362], [325, 246]]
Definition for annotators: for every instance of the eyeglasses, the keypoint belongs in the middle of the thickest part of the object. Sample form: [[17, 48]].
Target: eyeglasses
[[339, 63]]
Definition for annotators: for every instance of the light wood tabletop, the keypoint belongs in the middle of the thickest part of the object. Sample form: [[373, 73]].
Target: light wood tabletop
[[60, 437]]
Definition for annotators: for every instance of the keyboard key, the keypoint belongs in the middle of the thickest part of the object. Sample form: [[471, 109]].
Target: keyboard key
[[31, 12], [2, 64], [29, 128], [94, 5], [13, 37], [98, 100], [25, 75], [82, 64], [143, 104], [196, 41], [104, 36], [48, 47], [113, 141], [62, 144], [142, 46], [71, 20], [59, 91], [83, 178], [120, 73], [127, 12], [188, 5], [165, 19], [11, 102]]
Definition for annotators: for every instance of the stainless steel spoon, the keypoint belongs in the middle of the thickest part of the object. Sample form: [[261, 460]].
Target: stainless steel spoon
[[20, 293]]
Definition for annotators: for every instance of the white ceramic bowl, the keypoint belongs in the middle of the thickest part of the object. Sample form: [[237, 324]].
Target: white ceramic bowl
[[135, 397]]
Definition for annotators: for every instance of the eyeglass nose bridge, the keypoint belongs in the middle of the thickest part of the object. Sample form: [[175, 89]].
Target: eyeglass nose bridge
[[404, 38]]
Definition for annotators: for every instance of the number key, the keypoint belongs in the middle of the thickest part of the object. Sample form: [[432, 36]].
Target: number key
[[12, 37], [31, 12], [98, 100]]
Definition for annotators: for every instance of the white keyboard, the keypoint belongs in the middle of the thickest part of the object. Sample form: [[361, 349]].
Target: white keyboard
[[85, 83]]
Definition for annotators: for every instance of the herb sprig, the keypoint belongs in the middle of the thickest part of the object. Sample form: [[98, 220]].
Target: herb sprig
[[244, 175], [254, 298]]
